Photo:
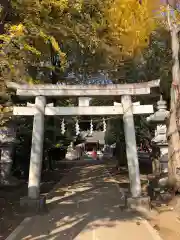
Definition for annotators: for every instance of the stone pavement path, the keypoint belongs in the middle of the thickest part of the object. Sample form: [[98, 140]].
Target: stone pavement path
[[85, 206]]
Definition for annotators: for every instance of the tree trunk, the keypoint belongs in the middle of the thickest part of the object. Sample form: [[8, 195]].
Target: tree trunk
[[173, 150], [172, 132]]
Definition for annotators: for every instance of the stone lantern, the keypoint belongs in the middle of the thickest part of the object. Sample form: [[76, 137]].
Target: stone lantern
[[160, 139]]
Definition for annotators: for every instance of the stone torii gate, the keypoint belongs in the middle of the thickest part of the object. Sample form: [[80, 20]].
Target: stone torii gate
[[83, 92]]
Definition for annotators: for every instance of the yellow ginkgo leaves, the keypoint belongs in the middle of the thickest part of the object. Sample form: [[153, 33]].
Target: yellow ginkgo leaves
[[17, 30], [130, 23]]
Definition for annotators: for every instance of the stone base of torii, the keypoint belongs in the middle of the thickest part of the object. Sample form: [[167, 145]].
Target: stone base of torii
[[83, 92]]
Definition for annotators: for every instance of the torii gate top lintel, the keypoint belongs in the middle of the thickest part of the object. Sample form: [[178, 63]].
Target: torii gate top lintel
[[51, 90]]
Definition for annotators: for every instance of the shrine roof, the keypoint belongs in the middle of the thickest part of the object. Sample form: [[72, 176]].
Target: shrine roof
[[96, 136]]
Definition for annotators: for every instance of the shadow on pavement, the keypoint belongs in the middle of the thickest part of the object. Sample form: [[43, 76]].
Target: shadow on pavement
[[85, 200]]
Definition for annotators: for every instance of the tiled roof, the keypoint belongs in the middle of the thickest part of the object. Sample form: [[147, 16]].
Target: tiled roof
[[97, 136]]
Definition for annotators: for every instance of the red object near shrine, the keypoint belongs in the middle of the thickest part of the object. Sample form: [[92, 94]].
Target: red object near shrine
[[94, 155]]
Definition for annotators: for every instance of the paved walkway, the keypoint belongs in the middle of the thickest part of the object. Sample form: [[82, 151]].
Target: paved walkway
[[88, 209]]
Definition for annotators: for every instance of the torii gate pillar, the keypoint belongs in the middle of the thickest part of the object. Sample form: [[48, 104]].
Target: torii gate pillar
[[37, 148], [131, 149], [34, 201]]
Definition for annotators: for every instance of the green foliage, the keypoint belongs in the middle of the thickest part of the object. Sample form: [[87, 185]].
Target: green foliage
[[87, 36], [115, 131]]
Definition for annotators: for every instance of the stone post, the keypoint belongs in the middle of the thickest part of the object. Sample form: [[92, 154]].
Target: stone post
[[83, 101], [6, 162], [37, 149], [7, 139], [131, 149]]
